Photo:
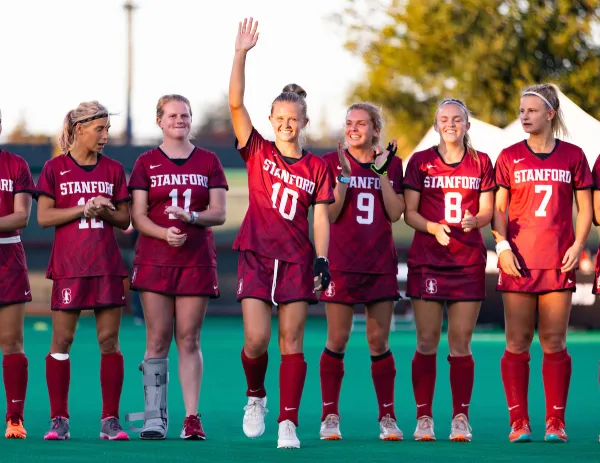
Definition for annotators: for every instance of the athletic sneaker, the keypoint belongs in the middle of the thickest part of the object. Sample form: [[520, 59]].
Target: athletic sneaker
[[287, 436], [388, 429], [424, 431], [254, 416], [14, 428], [555, 430], [460, 431], [330, 428], [192, 428], [520, 431], [112, 430], [59, 429]]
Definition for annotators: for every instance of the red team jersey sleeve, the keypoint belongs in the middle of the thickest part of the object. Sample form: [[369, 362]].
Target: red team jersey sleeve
[[45, 185], [362, 220], [83, 247], [596, 174], [15, 177], [281, 191], [446, 192], [183, 183], [540, 205]]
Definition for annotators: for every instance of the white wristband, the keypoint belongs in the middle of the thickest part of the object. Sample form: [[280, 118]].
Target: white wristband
[[502, 246]]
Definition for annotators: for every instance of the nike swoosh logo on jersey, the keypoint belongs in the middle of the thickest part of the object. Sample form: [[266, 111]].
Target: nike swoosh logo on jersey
[[420, 405], [63, 172], [465, 405], [430, 166], [339, 167], [388, 405], [569, 281], [558, 408], [516, 161], [255, 390], [289, 409], [325, 404], [27, 292], [16, 401], [154, 167], [215, 287], [513, 407], [123, 297]]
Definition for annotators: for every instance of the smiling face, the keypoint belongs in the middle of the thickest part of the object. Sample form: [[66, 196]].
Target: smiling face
[[360, 130], [451, 122], [92, 136], [176, 120], [287, 121], [535, 116]]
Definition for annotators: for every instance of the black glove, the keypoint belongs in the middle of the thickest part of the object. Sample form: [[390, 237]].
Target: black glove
[[321, 270], [383, 169]]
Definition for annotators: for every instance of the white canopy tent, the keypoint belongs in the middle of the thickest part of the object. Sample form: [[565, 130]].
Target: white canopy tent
[[485, 137], [583, 129]]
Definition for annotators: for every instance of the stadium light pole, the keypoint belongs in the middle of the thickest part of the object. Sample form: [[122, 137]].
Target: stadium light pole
[[129, 7]]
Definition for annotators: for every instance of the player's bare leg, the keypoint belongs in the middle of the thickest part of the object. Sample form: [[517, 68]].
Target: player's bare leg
[[339, 326], [14, 366], [257, 334], [519, 317], [292, 372], [554, 313], [58, 371], [159, 313], [428, 317], [383, 366], [462, 319], [189, 317], [112, 373]]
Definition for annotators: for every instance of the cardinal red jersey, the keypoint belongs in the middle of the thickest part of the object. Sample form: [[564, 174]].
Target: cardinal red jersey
[[83, 247], [281, 192], [185, 183], [540, 208], [447, 191], [596, 186], [363, 221], [15, 177]]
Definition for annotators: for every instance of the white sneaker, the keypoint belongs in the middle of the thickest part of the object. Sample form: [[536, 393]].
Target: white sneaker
[[424, 431], [388, 429], [330, 428], [254, 417], [287, 436], [460, 429]]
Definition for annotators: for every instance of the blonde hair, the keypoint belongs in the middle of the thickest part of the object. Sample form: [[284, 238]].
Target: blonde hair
[[293, 93], [466, 139], [85, 113], [163, 100], [549, 94], [376, 118]]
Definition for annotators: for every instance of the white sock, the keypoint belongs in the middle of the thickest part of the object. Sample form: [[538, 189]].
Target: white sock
[[60, 356]]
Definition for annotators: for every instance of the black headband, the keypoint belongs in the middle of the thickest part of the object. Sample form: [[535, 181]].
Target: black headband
[[92, 118]]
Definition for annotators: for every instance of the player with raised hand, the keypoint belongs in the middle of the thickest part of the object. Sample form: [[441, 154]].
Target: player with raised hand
[[16, 190], [179, 193], [275, 252], [368, 198], [449, 197], [83, 194], [538, 254]]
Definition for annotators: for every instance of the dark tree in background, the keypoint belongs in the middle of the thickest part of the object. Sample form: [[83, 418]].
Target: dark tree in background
[[417, 52]]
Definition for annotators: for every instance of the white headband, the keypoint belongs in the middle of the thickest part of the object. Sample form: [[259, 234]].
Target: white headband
[[456, 102], [542, 97]]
